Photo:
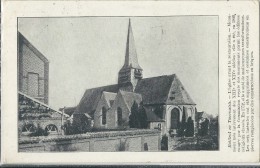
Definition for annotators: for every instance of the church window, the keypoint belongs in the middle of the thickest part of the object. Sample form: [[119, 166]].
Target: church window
[[119, 116], [104, 116], [175, 118]]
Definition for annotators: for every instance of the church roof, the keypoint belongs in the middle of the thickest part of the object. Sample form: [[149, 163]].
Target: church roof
[[130, 97], [156, 90], [90, 99], [151, 91], [131, 60]]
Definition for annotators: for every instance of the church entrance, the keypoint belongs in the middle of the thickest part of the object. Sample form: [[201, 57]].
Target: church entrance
[[175, 118]]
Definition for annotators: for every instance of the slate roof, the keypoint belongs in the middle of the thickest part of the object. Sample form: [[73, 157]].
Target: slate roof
[[153, 90], [151, 116], [131, 60], [130, 97], [156, 90], [90, 99]]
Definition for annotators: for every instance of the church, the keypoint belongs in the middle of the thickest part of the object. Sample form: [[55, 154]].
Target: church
[[164, 98]]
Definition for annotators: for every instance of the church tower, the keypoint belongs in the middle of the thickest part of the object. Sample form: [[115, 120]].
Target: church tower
[[131, 72]]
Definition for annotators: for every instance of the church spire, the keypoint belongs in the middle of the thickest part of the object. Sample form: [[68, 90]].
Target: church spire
[[131, 72], [131, 60]]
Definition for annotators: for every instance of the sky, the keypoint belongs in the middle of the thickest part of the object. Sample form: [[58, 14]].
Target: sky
[[87, 52]]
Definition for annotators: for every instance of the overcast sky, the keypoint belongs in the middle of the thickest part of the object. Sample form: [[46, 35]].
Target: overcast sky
[[88, 52]]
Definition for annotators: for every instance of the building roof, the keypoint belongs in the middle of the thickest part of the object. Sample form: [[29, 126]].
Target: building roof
[[131, 60], [151, 116], [130, 98], [109, 97], [42, 104], [90, 99], [153, 90], [156, 90]]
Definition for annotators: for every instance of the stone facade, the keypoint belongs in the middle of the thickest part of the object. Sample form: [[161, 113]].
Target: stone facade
[[117, 110], [33, 70]]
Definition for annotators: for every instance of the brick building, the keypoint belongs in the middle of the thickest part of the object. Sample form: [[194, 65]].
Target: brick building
[[33, 82], [33, 71]]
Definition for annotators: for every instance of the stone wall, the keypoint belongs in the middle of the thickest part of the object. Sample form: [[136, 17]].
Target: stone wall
[[131, 140]]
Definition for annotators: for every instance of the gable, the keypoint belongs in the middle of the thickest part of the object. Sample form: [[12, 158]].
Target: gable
[[130, 97], [178, 95], [90, 99], [109, 97]]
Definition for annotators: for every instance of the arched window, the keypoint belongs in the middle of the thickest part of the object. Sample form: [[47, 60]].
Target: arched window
[[175, 118], [51, 128], [119, 116], [28, 128], [104, 116]]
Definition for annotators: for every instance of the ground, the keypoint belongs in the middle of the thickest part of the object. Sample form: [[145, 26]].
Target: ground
[[193, 143]]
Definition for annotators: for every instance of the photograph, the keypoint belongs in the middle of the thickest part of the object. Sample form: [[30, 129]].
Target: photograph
[[118, 83]]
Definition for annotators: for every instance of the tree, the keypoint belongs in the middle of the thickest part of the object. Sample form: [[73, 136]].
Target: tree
[[190, 128], [204, 127], [134, 117], [142, 117]]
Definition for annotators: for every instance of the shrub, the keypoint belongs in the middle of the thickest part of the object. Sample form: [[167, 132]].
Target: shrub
[[39, 132], [164, 143]]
